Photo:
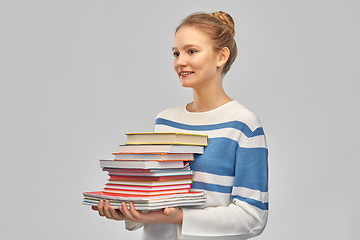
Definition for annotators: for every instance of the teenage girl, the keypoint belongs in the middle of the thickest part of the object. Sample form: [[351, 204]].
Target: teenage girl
[[233, 171]]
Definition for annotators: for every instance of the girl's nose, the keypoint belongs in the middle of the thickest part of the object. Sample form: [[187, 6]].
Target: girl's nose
[[180, 61]]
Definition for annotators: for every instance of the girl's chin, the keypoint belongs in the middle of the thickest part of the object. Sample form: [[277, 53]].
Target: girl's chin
[[187, 82]]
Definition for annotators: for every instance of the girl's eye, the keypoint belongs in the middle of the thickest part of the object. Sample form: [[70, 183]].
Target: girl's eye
[[192, 51], [176, 54]]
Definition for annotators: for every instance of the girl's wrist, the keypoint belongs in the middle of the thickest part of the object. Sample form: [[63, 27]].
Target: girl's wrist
[[178, 217]]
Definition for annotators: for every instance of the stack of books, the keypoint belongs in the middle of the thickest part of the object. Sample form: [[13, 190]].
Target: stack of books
[[152, 171]]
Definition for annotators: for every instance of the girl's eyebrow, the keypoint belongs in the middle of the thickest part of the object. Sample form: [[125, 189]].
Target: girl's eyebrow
[[186, 46]]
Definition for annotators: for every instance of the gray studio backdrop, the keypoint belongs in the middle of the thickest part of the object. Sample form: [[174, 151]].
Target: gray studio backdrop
[[77, 75]]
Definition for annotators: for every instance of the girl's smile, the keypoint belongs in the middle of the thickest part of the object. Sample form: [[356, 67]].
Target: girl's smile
[[185, 73]]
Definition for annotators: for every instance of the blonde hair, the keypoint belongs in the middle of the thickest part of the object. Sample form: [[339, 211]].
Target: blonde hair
[[220, 28]]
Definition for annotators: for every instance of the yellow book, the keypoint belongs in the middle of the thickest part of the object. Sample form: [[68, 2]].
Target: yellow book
[[167, 138]]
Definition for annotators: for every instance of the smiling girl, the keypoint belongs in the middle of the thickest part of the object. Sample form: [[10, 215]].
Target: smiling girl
[[233, 171]]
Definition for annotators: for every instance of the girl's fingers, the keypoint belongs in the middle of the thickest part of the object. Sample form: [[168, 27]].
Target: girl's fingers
[[101, 208], [134, 212], [126, 212], [120, 210], [167, 211], [107, 208], [116, 214]]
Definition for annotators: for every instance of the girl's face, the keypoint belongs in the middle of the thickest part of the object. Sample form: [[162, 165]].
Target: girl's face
[[195, 63]]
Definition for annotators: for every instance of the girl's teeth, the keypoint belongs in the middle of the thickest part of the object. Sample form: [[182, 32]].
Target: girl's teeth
[[182, 74]]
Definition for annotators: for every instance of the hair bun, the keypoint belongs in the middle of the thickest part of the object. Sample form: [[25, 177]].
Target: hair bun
[[226, 19]]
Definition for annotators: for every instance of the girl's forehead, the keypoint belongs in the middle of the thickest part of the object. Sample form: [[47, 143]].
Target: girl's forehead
[[190, 35], [189, 30]]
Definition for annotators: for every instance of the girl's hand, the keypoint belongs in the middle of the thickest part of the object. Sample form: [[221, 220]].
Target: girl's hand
[[168, 215], [108, 211]]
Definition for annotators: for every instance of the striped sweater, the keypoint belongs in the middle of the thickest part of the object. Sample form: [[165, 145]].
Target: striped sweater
[[233, 171]]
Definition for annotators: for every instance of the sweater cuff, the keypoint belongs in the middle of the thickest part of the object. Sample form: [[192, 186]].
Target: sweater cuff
[[178, 230], [131, 226]]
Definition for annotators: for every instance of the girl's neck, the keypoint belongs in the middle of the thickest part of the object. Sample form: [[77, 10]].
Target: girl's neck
[[206, 99]]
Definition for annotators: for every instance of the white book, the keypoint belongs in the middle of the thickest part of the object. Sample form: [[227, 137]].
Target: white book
[[161, 149], [154, 205], [154, 156], [147, 188], [145, 193], [140, 164], [151, 183], [149, 172], [191, 199]]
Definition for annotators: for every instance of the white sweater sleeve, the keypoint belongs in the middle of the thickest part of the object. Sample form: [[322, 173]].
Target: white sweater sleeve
[[131, 226], [232, 222]]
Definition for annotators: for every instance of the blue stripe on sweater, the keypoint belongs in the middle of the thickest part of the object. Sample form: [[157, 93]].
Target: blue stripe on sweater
[[232, 124], [211, 187], [261, 205], [218, 157], [252, 167]]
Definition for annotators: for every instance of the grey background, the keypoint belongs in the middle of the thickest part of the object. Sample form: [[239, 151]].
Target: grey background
[[77, 75]]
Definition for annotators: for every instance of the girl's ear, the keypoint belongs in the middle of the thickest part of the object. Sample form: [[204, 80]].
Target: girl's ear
[[224, 55]]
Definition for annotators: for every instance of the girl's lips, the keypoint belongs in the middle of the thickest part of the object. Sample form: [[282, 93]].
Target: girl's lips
[[185, 73]]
